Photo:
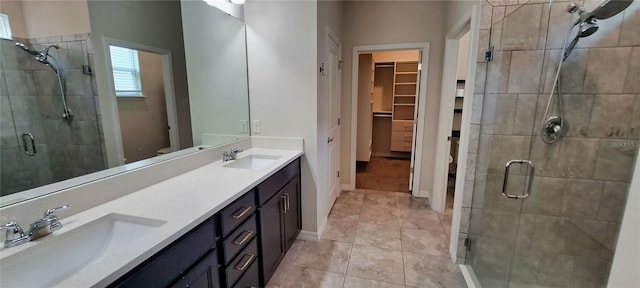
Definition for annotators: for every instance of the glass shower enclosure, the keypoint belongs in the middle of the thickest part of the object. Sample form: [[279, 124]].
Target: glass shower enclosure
[[559, 225]]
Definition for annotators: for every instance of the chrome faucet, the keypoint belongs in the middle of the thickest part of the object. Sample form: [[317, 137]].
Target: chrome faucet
[[48, 224], [14, 235], [231, 155]]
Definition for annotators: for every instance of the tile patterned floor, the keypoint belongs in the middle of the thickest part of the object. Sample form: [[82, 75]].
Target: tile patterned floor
[[374, 239]]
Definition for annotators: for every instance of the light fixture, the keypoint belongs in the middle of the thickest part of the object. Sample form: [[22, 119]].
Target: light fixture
[[239, 2]]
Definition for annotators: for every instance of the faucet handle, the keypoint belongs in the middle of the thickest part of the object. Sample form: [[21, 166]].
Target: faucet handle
[[236, 150], [14, 235], [51, 211]]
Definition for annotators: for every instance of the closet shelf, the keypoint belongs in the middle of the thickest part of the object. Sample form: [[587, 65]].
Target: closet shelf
[[407, 73], [404, 95], [406, 83], [403, 104]]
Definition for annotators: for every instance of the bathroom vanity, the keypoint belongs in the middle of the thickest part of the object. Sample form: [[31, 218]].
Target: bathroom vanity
[[220, 224], [240, 246]]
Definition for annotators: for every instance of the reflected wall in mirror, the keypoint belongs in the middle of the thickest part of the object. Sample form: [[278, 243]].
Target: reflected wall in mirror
[[141, 96], [61, 120]]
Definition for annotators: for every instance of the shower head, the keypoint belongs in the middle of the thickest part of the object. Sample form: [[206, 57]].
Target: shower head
[[609, 8], [585, 29], [28, 50], [41, 56]]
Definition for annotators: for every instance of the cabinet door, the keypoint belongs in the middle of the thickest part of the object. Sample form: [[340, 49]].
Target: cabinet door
[[292, 223], [202, 275], [271, 234]]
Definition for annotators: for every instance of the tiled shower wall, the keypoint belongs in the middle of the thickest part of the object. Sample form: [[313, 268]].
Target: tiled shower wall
[[31, 100], [564, 234]]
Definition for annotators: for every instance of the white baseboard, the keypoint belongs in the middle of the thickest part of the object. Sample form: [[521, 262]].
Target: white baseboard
[[308, 236], [348, 187], [469, 276], [313, 236]]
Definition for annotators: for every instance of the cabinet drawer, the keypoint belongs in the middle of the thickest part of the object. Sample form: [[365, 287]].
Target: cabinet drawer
[[402, 126], [242, 263], [239, 239], [238, 211], [251, 278], [168, 264], [401, 146], [271, 186], [402, 137]]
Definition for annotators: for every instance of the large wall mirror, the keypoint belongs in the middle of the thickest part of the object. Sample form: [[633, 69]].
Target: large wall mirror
[[89, 89]]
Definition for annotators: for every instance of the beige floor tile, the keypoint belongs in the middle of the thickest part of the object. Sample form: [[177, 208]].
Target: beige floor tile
[[376, 264], [383, 236], [354, 282], [431, 271], [446, 223], [406, 201], [424, 241], [379, 216], [291, 255], [300, 277], [345, 209], [380, 199], [324, 255], [352, 197], [420, 219], [341, 228]]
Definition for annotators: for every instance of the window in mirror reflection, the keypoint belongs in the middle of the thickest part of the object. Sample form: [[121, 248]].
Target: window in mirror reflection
[[126, 72], [142, 105]]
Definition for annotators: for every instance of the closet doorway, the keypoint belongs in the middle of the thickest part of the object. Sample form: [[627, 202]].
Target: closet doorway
[[388, 97]]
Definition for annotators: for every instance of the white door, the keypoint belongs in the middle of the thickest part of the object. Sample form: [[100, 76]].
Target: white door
[[415, 122], [333, 139]]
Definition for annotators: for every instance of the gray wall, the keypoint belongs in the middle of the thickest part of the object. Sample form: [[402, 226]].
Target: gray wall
[[153, 23], [564, 234]]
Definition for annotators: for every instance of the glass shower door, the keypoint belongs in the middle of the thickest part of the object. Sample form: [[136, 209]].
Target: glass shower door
[[564, 233]]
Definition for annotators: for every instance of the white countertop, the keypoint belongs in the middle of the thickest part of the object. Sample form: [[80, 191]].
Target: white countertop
[[183, 202]]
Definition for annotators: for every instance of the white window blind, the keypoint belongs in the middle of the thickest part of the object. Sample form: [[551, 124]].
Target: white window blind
[[126, 71]]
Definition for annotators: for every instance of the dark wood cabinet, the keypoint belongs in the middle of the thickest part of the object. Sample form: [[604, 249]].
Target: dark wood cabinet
[[280, 218], [237, 247], [203, 275], [291, 218], [271, 234]]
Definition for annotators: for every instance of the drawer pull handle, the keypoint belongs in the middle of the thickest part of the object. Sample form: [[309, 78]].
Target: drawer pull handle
[[247, 235], [239, 214], [246, 263]]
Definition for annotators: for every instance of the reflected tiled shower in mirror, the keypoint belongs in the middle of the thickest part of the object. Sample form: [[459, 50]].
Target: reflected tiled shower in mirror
[[31, 102], [564, 234]]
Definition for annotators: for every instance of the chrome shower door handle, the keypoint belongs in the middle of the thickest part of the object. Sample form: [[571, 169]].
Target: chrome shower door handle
[[527, 183], [33, 144]]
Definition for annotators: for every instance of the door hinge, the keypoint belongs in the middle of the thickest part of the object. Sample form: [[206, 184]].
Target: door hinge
[[411, 170], [338, 174], [340, 65], [488, 54], [338, 121], [467, 243], [419, 66]]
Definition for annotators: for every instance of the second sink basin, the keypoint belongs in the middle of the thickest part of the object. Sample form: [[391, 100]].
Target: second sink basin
[[58, 258], [252, 162]]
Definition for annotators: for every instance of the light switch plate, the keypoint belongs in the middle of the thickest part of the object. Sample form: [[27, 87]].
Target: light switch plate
[[255, 128], [244, 126]]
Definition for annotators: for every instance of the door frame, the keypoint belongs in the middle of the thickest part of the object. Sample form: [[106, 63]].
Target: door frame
[[469, 22], [113, 139], [422, 99]]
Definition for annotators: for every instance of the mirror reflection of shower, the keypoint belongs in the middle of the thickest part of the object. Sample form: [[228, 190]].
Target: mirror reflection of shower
[[44, 57], [554, 125]]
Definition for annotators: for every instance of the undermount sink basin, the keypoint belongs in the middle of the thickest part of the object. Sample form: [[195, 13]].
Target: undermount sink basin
[[57, 258], [252, 162]]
